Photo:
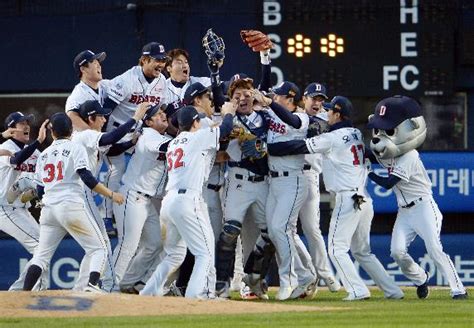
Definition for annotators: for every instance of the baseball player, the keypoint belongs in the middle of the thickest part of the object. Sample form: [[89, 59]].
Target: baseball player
[[345, 175], [15, 219], [141, 83], [59, 171], [313, 98], [97, 144], [418, 213], [180, 75], [137, 219], [87, 66], [286, 172], [189, 158]]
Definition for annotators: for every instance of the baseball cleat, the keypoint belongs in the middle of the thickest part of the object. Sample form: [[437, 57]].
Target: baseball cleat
[[305, 291], [247, 294], [257, 285], [352, 297], [332, 284], [129, 290], [461, 296], [94, 289], [423, 291], [284, 293], [222, 289]]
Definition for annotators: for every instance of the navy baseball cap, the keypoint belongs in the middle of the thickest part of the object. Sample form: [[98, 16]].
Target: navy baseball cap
[[61, 124], [392, 111], [87, 56], [340, 104], [17, 117], [155, 50], [151, 112], [315, 89], [172, 108], [194, 90], [92, 107], [239, 76], [288, 89], [187, 115]]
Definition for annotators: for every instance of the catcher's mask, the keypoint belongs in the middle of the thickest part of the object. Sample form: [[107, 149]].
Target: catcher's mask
[[397, 127], [213, 46]]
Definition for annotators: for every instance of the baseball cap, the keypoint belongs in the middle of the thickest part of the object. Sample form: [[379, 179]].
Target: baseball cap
[[392, 111], [172, 108], [315, 89], [239, 76], [87, 56], [194, 90], [92, 107], [151, 112], [16, 117], [340, 104], [187, 115], [155, 50], [288, 89], [61, 124]]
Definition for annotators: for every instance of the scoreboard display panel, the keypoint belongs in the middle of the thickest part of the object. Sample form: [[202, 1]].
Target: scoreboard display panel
[[365, 48]]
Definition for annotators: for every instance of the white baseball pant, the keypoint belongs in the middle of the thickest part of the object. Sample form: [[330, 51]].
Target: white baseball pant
[[72, 218], [137, 224], [18, 223], [285, 198], [187, 225], [425, 220], [350, 230], [310, 223], [108, 279]]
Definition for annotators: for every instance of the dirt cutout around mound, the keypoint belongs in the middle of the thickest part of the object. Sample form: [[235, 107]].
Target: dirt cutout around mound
[[79, 304]]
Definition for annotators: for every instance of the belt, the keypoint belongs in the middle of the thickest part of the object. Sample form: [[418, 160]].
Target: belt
[[253, 178], [306, 167], [214, 187], [181, 191], [143, 194], [116, 124], [413, 202]]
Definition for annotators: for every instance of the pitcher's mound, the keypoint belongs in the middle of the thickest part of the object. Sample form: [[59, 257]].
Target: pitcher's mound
[[67, 303]]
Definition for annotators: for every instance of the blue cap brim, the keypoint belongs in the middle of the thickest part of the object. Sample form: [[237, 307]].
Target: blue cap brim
[[315, 94]]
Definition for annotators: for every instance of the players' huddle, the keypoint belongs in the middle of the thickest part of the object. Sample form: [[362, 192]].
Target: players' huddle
[[218, 174]]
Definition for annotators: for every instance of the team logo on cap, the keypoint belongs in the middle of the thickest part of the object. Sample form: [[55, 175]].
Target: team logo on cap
[[382, 110], [318, 87], [162, 49]]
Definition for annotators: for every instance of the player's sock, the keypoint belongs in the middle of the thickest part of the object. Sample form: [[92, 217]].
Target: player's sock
[[32, 276], [94, 277]]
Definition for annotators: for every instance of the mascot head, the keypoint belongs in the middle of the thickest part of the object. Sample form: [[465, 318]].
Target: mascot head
[[397, 127]]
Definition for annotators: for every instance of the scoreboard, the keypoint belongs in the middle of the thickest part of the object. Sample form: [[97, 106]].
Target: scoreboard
[[364, 48]]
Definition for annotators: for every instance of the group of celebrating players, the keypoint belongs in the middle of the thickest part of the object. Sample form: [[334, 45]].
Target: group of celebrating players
[[206, 183]]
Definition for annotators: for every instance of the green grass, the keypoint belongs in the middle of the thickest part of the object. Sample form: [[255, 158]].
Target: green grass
[[439, 310]]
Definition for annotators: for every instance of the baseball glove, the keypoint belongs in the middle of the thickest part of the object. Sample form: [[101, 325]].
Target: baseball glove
[[316, 127], [242, 134], [256, 40], [254, 149]]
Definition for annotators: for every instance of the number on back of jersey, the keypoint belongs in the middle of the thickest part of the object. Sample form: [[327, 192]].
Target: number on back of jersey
[[175, 159]]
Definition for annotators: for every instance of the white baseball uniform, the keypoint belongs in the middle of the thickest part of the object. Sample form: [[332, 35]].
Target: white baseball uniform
[[64, 206], [129, 90], [418, 214], [185, 214], [345, 175], [288, 190], [15, 219], [137, 219], [89, 139], [82, 92], [175, 93]]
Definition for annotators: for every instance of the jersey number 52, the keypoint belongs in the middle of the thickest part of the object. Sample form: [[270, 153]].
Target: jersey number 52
[[52, 170], [175, 158]]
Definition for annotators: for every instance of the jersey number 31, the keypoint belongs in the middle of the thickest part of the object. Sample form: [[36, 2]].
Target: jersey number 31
[[51, 171]]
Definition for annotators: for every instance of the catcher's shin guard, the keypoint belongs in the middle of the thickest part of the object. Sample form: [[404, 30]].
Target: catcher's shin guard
[[225, 250]]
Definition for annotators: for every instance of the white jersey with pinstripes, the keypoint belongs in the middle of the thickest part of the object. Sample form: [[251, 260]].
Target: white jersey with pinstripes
[[90, 140], [174, 93], [414, 183], [82, 92], [130, 89], [189, 158], [147, 171], [56, 171], [343, 158], [280, 132], [9, 172]]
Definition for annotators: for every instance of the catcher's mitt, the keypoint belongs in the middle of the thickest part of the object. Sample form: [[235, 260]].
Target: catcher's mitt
[[256, 40]]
